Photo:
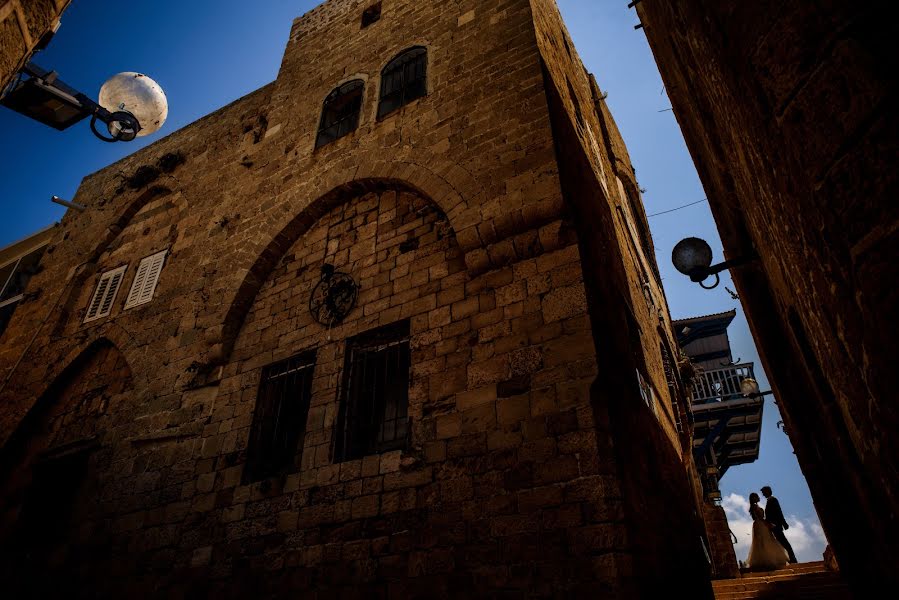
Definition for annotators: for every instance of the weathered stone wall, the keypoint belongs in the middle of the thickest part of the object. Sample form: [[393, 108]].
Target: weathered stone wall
[[22, 25], [721, 542], [787, 110], [91, 401], [630, 316], [533, 457]]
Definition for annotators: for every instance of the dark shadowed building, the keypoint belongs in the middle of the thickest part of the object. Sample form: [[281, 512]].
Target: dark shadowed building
[[789, 111]]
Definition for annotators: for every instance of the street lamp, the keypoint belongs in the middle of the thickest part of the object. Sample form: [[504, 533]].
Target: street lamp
[[693, 257], [749, 387], [130, 104]]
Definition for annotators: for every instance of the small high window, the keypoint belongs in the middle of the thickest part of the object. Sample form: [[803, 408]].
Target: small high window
[[340, 114], [647, 393], [279, 422], [403, 80], [144, 284], [374, 413], [104, 295], [371, 15]]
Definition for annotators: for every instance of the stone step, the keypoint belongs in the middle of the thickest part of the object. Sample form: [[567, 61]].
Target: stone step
[[810, 567], [756, 582], [809, 581], [830, 592]]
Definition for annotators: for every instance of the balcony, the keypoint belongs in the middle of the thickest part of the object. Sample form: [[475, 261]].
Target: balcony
[[727, 425], [721, 385]]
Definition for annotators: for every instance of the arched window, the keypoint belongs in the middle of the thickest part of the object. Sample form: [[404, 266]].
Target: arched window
[[403, 80], [340, 114]]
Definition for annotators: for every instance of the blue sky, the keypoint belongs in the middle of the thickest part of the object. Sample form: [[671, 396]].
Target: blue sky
[[207, 53]]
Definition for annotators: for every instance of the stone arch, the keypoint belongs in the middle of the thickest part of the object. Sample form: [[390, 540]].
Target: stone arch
[[222, 338], [97, 354], [20, 398], [47, 466], [88, 268], [458, 194], [75, 362]]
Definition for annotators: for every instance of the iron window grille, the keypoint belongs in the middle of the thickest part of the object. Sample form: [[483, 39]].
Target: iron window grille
[[279, 421], [374, 413], [404, 79], [340, 113]]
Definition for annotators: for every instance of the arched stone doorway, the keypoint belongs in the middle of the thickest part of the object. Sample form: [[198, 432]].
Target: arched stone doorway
[[51, 521]]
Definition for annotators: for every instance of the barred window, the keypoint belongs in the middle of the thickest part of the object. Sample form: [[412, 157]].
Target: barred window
[[279, 422], [374, 413], [403, 80], [340, 114]]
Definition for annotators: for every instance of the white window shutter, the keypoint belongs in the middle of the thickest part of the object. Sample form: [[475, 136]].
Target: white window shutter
[[137, 285], [145, 279], [104, 296]]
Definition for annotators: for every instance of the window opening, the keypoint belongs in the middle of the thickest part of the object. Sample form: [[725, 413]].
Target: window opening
[[374, 415], [279, 421], [340, 113], [104, 295], [403, 80], [145, 280]]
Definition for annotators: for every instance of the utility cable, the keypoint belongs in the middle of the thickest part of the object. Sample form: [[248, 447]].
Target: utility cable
[[665, 212]]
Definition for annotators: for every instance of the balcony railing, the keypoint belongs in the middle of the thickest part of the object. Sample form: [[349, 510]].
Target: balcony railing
[[720, 385]]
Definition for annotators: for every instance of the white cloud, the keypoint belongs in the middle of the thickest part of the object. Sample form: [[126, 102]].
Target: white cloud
[[806, 536], [736, 507]]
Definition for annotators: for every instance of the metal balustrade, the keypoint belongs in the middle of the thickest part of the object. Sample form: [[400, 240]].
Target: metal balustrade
[[720, 385]]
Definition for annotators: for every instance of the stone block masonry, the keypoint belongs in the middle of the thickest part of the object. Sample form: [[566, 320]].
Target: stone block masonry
[[454, 218], [24, 26]]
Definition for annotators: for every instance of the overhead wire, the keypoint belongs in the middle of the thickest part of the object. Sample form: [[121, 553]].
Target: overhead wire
[[670, 210]]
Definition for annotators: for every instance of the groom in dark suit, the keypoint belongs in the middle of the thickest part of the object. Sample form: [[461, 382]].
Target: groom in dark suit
[[775, 516]]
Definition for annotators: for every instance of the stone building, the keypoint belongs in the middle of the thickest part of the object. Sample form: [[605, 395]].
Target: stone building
[[726, 425], [18, 262], [389, 326], [25, 26], [788, 110]]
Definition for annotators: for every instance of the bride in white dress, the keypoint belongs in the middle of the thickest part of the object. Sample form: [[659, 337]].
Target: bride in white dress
[[766, 553]]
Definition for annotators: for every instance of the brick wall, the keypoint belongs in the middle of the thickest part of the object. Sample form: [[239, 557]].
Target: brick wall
[[528, 424], [786, 109]]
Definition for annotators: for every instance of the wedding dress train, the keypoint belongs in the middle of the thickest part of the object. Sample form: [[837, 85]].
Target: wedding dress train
[[766, 553]]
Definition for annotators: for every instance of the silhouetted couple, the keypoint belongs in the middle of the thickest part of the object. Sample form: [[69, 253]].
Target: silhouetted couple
[[770, 549]]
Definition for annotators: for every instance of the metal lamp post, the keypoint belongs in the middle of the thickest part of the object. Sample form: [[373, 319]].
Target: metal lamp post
[[130, 104], [693, 257]]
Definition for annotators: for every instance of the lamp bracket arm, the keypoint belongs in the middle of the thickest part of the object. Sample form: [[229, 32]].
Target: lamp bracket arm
[[51, 81], [734, 262]]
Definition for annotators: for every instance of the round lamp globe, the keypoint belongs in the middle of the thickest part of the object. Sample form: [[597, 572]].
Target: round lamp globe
[[139, 95], [749, 386]]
